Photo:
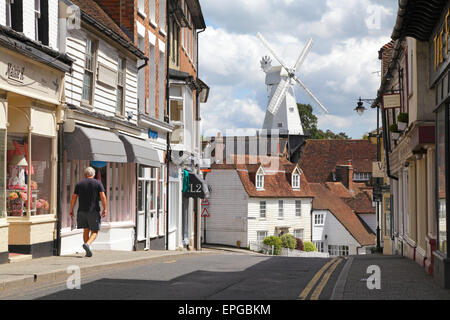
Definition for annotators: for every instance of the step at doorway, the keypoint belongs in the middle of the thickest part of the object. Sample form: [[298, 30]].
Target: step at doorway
[[18, 257]]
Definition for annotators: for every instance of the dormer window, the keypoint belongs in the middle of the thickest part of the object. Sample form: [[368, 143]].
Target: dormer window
[[296, 179], [260, 179]]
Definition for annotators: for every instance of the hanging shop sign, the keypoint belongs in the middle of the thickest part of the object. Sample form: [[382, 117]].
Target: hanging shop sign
[[378, 170], [392, 101]]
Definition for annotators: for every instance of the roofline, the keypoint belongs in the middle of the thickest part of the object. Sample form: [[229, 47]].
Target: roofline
[[125, 43]]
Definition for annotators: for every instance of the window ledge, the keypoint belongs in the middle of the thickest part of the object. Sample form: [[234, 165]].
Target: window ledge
[[142, 14], [152, 23]]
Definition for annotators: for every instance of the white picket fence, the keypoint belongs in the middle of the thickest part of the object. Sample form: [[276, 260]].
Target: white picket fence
[[285, 252]]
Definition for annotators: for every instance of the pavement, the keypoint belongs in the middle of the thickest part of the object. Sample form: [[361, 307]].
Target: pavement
[[36, 272], [399, 279]]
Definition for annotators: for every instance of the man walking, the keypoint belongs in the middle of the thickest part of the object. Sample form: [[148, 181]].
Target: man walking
[[89, 191]]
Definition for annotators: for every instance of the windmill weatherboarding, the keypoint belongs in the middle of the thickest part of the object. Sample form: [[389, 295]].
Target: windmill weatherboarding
[[282, 113]]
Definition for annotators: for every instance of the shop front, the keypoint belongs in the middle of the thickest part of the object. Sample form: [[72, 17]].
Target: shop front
[[439, 80], [30, 110]]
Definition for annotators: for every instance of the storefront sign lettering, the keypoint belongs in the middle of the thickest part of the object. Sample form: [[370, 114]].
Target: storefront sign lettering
[[441, 43], [15, 72]]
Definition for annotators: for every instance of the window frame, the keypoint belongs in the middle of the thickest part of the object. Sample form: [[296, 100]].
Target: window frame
[[295, 178], [121, 69], [298, 208], [259, 179], [319, 219], [94, 43], [263, 209], [280, 209], [258, 232], [302, 232]]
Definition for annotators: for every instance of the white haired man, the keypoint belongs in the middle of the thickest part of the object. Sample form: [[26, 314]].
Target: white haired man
[[90, 192]]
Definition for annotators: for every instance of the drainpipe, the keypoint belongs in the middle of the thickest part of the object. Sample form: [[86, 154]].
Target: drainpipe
[[57, 244], [167, 119], [197, 220]]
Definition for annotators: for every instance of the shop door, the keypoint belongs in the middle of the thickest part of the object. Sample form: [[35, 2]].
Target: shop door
[[142, 211]]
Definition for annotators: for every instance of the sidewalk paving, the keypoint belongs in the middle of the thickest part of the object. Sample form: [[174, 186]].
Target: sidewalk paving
[[17, 275], [401, 279]]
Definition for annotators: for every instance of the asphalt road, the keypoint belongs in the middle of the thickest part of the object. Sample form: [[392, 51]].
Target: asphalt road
[[225, 276]]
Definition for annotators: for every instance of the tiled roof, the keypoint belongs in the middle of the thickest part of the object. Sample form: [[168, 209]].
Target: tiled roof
[[277, 178], [320, 157], [361, 203], [102, 19], [327, 200]]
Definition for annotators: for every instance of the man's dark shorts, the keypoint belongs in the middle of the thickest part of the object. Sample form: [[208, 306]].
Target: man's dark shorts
[[90, 220]]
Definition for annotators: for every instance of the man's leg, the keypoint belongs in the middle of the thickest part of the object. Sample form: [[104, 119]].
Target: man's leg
[[92, 238], [86, 235]]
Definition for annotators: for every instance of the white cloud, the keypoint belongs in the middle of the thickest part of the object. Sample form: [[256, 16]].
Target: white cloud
[[339, 69]]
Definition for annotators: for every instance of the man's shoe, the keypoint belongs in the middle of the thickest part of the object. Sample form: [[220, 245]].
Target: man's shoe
[[87, 249]]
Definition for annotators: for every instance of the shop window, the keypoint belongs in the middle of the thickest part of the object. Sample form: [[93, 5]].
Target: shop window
[[20, 178], [2, 174], [118, 180], [441, 178]]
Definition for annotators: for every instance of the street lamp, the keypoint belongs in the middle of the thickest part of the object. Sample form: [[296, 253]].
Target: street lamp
[[360, 110]]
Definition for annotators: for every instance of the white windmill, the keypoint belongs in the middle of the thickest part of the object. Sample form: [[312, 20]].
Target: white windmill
[[282, 113]]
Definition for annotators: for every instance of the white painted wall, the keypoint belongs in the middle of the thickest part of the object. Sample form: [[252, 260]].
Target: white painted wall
[[227, 209], [272, 220], [104, 96], [336, 233], [28, 20]]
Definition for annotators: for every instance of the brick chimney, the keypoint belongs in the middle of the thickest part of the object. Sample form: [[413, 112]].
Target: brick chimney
[[344, 174]]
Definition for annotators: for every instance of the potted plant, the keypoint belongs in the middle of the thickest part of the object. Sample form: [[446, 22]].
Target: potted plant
[[394, 131], [402, 120]]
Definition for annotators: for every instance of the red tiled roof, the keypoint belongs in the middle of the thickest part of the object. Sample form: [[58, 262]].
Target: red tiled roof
[[92, 9], [361, 203], [339, 189], [320, 157], [277, 177], [327, 200]]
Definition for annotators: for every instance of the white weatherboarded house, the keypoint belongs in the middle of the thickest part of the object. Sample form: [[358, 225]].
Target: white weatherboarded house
[[101, 125], [249, 202]]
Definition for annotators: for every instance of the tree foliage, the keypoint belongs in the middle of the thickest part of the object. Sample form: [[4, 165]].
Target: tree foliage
[[309, 122]]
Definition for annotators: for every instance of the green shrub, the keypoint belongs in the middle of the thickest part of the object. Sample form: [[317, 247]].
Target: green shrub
[[288, 241], [393, 127], [275, 242], [309, 246], [402, 117]]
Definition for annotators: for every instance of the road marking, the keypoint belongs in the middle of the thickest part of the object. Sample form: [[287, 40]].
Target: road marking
[[322, 284], [314, 280], [171, 261]]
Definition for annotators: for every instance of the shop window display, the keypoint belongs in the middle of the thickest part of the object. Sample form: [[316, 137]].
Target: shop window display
[[22, 177], [441, 177]]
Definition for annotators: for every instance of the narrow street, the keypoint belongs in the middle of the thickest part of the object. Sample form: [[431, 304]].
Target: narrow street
[[237, 276], [225, 276]]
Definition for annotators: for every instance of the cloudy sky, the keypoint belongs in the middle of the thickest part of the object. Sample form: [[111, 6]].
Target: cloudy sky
[[342, 65]]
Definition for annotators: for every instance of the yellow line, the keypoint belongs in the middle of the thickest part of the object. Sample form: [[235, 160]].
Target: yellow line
[[314, 280], [322, 284]]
